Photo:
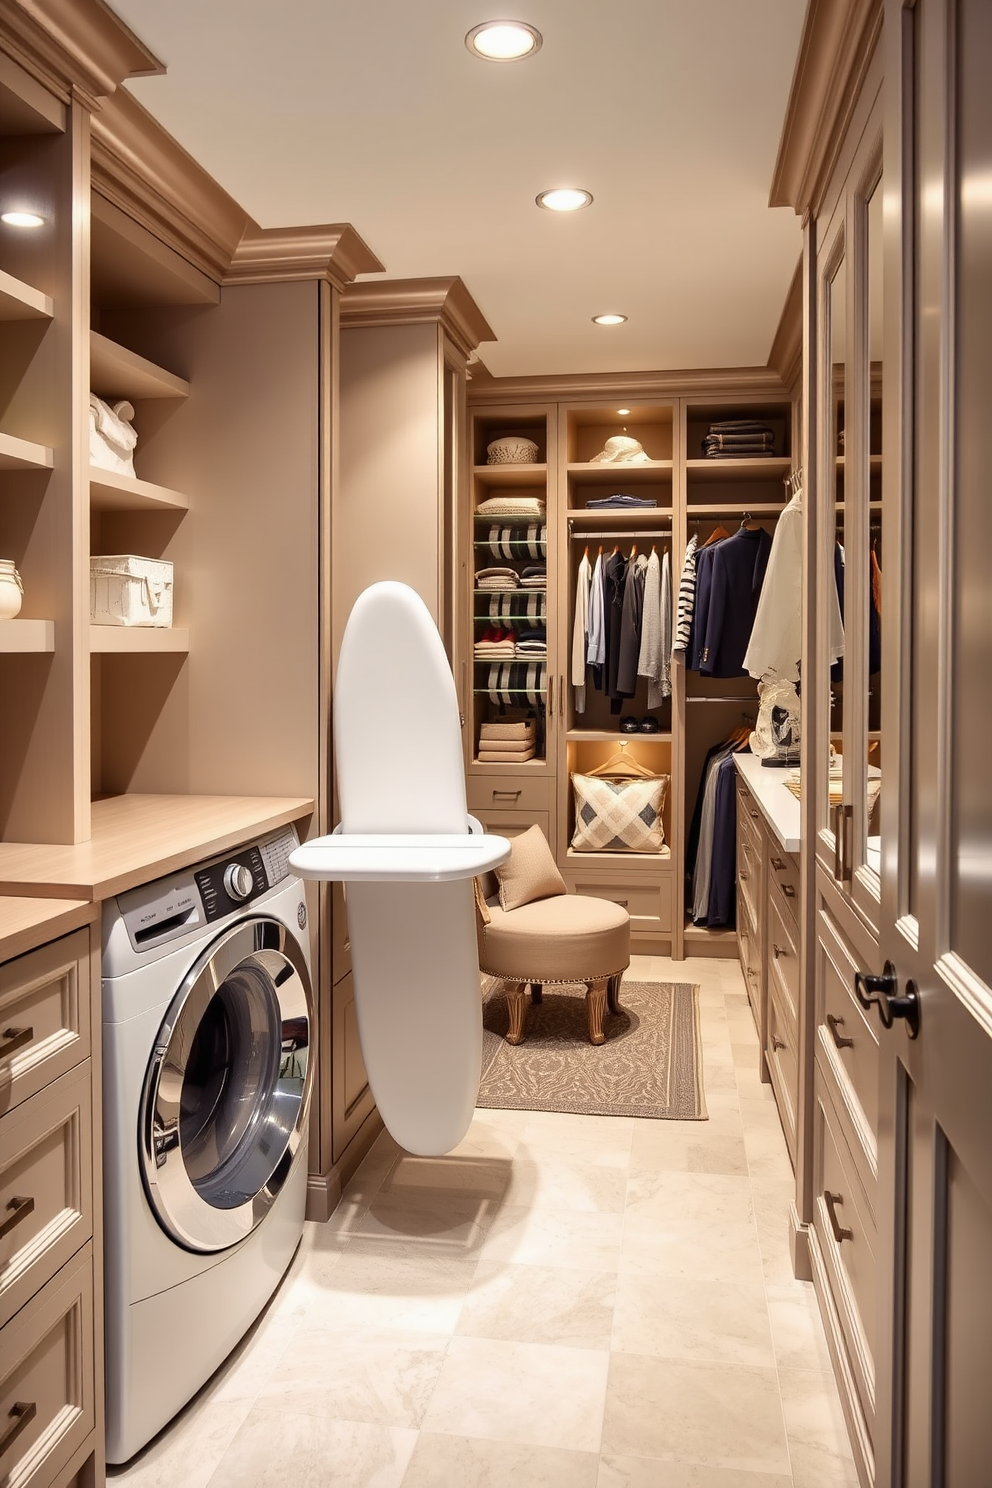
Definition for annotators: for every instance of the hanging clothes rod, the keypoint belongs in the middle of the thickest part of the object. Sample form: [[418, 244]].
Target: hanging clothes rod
[[622, 537], [730, 697]]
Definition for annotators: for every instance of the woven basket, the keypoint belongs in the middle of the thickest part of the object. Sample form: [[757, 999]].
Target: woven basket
[[512, 449]]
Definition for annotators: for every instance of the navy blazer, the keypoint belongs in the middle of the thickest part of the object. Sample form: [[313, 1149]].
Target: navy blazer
[[737, 572]]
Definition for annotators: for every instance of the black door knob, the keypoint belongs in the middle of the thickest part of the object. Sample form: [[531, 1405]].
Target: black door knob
[[883, 992]]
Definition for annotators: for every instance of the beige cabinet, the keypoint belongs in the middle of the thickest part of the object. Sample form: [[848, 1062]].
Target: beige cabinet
[[51, 1253]]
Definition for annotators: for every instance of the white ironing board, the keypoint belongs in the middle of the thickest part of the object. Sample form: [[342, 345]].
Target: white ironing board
[[407, 852]]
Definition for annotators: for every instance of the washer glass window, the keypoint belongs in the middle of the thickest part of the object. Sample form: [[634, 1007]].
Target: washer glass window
[[226, 1094]]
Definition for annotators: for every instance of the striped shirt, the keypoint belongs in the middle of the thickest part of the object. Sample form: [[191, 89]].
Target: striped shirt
[[687, 597]]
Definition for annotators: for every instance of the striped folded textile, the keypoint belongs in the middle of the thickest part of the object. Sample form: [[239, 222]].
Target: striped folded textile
[[497, 578], [517, 604]]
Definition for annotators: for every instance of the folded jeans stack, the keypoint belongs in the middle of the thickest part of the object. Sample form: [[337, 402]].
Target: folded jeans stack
[[734, 439], [508, 743], [534, 576], [533, 641], [619, 501]]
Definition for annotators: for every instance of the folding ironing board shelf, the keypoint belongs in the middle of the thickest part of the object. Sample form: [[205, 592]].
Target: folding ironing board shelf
[[434, 857]]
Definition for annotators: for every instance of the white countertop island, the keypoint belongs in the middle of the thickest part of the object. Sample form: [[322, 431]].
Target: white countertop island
[[778, 805]]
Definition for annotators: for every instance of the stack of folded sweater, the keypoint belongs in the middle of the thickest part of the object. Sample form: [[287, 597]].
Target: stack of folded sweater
[[507, 743], [496, 644], [497, 578], [534, 576], [532, 642], [732, 439], [512, 504], [620, 500]]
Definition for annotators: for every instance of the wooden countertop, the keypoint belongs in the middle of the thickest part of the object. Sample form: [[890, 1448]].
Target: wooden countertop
[[26, 923], [138, 838], [779, 806]]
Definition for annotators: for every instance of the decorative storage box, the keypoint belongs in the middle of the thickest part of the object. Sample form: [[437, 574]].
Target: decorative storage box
[[512, 449], [125, 590]]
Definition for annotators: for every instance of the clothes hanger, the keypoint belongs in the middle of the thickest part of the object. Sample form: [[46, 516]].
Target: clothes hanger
[[620, 765], [748, 524], [717, 535]]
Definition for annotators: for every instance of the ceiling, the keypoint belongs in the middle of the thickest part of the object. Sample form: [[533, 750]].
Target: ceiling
[[375, 113]]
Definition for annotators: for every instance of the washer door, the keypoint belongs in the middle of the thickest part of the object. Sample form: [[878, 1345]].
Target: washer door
[[227, 1091]]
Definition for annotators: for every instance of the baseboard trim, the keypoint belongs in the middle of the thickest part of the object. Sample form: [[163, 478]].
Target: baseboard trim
[[324, 1189], [857, 1426], [802, 1266]]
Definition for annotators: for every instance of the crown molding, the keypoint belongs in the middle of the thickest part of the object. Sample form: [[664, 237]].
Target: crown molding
[[267, 255], [398, 301], [839, 38], [786, 355], [139, 167], [750, 382], [74, 46]]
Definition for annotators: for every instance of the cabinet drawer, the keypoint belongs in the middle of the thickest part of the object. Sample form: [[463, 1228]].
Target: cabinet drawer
[[512, 823], [648, 904], [749, 877], [747, 950], [783, 884], [44, 1016], [508, 793], [782, 1058], [846, 1235], [47, 1353], [46, 1186], [783, 958], [847, 1048], [340, 941], [749, 816]]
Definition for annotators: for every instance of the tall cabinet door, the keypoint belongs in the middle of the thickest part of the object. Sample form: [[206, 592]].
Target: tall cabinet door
[[935, 1156]]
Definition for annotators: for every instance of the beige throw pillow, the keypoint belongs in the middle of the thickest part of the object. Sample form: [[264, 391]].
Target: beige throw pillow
[[618, 815], [529, 872]]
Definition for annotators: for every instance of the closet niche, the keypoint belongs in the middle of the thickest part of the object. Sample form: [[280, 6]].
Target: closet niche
[[627, 476]]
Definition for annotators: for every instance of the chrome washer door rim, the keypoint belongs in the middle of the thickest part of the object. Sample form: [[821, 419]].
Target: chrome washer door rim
[[205, 1212]]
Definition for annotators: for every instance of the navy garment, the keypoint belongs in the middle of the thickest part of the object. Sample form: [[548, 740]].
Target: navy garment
[[738, 571], [614, 577], [704, 585], [630, 628], [692, 841], [722, 912]]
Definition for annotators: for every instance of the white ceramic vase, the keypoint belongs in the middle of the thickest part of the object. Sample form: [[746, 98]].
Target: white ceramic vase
[[11, 589]]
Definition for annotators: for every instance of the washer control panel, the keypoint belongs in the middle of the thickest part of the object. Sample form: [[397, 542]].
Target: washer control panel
[[172, 906]]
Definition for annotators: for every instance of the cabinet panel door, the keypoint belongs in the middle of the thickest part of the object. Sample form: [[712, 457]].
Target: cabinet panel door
[[44, 1016]]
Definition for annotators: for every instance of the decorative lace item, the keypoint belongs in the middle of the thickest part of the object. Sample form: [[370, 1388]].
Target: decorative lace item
[[112, 439]]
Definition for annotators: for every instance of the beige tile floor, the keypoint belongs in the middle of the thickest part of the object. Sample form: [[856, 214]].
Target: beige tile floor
[[564, 1302]]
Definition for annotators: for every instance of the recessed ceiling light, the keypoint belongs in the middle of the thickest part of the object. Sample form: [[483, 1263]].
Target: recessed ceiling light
[[22, 219], [623, 410], [609, 320], [503, 41], [564, 199]]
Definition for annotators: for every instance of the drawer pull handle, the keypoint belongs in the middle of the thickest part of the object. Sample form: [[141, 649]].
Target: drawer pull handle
[[777, 1043], [755, 815], [777, 951], [24, 1413], [622, 903], [19, 1209], [788, 891], [778, 865], [833, 1201], [840, 1039], [507, 795], [13, 1039], [742, 877]]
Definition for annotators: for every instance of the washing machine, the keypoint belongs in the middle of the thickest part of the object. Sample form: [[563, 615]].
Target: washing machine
[[208, 1028]]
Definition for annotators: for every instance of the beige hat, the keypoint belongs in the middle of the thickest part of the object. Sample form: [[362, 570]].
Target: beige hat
[[621, 450]]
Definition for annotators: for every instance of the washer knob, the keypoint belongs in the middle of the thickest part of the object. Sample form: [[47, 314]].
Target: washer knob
[[238, 881]]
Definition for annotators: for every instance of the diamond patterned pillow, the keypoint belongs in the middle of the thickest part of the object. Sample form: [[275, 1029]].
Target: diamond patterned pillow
[[618, 815]]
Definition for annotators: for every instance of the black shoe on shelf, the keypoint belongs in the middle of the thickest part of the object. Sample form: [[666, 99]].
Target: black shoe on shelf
[[629, 725], [649, 726]]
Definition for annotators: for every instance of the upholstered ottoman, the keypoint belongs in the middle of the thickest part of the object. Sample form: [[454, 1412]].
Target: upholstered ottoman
[[564, 938]]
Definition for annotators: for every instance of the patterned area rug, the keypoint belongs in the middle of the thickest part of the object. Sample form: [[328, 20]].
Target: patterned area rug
[[650, 1065]]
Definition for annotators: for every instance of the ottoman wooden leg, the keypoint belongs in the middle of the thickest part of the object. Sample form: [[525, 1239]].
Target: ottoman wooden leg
[[613, 993], [536, 992], [516, 1007], [595, 1008]]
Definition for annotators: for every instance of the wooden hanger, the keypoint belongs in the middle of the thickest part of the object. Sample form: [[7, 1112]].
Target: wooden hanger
[[748, 524], [717, 535], [621, 766]]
